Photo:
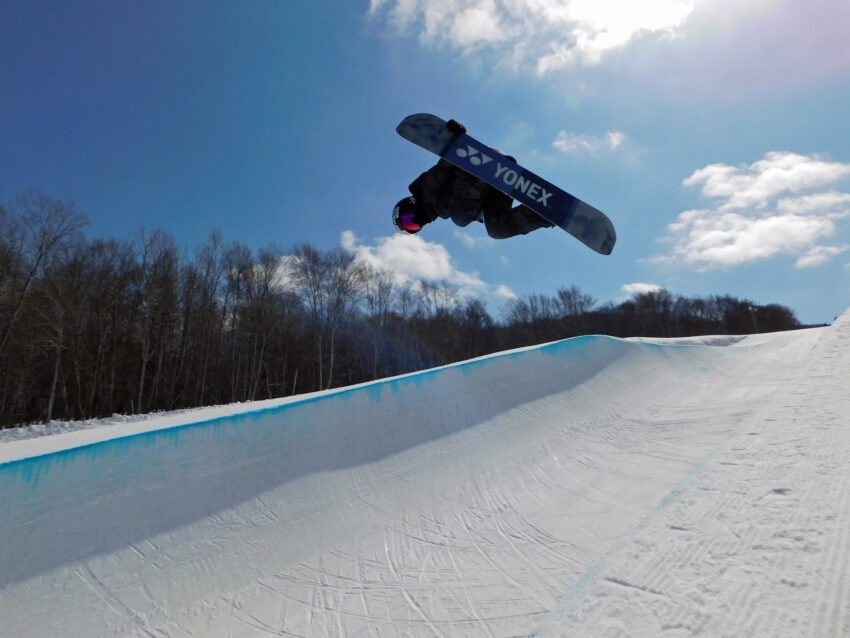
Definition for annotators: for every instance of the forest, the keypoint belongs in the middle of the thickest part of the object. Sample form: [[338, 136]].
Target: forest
[[96, 327]]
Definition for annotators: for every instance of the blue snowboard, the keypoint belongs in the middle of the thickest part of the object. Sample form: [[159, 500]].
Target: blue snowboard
[[587, 224]]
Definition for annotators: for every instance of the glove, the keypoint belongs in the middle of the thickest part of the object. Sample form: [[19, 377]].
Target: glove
[[456, 127], [424, 213]]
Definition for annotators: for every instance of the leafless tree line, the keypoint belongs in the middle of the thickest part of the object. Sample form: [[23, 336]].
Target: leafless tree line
[[94, 327], [657, 313]]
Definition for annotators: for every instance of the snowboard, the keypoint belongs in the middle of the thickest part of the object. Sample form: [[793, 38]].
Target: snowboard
[[581, 220]]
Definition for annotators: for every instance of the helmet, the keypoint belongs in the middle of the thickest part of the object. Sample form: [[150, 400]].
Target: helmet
[[409, 217]]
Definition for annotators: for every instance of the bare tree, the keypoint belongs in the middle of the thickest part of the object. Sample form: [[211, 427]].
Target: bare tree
[[266, 294], [210, 314], [573, 302], [55, 301], [654, 310], [437, 298], [330, 284], [380, 294], [345, 285], [408, 303], [574, 306], [42, 232], [530, 309], [476, 327], [240, 275], [107, 314], [310, 271], [157, 303]]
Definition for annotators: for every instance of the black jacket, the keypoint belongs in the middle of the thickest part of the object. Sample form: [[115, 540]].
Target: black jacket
[[452, 193]]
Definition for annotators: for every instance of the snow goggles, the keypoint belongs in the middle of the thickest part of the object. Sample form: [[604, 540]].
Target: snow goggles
[[407, 220], [404, 216]]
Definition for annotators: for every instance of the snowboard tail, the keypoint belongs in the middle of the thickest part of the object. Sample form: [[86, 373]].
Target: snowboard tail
[[584, 222]]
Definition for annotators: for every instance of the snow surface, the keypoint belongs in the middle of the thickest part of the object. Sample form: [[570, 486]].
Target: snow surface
[[593, 486]]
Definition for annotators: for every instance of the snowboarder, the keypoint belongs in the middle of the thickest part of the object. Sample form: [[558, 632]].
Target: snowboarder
[[451, 193]]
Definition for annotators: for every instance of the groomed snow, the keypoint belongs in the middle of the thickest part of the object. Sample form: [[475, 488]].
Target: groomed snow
[[593, 486]]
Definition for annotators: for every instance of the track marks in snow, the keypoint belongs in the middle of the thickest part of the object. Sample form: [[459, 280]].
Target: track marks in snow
[[758, 542]]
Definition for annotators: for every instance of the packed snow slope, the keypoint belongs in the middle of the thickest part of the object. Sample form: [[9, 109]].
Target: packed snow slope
[[593, 486]]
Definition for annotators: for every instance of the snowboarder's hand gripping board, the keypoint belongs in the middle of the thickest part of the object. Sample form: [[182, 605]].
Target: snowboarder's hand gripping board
[[587, 224]]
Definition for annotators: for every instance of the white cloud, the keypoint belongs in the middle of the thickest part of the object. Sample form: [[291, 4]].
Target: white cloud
[[478, 25], [568, 142], [348, 240], [711, 239], [505, 292], [411, 258], [832, 204], [819, 255], [755, 185], [471, 241], [706, 49], [599, 27], [614, 139], [640, 288], [750, 222], [544, 34]]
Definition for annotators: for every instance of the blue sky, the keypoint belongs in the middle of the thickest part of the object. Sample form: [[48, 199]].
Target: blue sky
[[714, 134]]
